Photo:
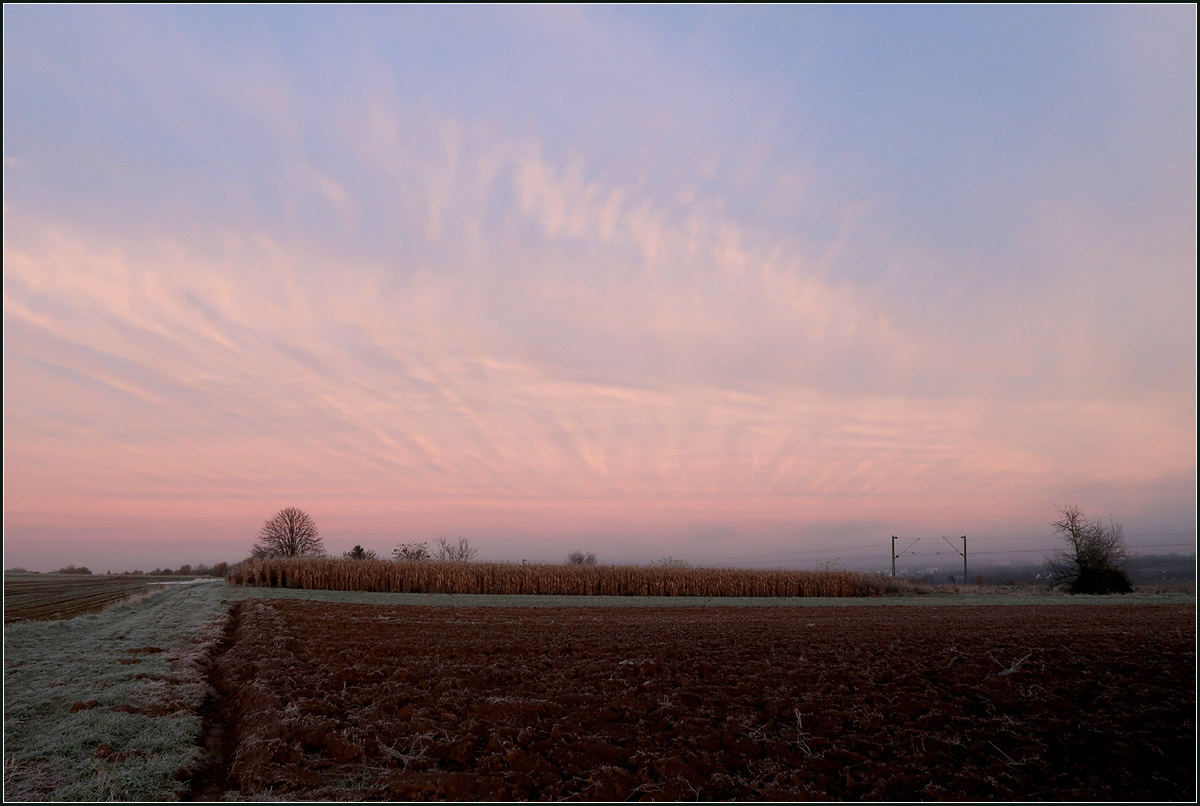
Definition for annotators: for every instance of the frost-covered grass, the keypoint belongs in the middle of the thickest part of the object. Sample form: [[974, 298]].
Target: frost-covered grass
[[97, 663]]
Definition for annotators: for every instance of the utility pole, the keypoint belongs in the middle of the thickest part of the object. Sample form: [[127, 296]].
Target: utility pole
[[963, 553], [895, 555]]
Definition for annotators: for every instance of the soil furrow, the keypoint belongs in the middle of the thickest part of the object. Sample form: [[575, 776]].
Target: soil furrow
[[219, 717]]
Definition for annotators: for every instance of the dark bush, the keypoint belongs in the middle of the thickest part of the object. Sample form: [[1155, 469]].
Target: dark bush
[[1106, 579]]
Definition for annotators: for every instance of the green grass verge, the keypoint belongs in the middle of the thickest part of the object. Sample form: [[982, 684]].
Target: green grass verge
[[52, 753]]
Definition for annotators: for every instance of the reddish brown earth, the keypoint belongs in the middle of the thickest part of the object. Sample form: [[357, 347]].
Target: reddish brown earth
[[365, 702]]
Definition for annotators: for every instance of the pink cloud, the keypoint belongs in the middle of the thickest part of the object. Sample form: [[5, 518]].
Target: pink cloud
[[413, 317]]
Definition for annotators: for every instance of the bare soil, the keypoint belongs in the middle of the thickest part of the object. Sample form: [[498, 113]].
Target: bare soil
[[367, 702]]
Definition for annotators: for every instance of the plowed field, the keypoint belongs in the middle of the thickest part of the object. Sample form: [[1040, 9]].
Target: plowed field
[[362, 702], [51, 596]]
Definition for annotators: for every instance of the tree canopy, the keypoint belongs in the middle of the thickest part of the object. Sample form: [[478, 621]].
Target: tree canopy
[[291, 533]]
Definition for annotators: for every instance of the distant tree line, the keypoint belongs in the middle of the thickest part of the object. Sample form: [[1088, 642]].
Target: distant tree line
[[202, 570], [444, 551], [292, 532]]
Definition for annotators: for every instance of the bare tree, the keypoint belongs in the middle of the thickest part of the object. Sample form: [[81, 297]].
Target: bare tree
[[359, 553], [411, 552], [291, 533], [460, 552], [579, 558], [1094, 557]]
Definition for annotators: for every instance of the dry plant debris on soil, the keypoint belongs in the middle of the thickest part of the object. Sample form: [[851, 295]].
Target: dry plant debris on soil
[[321, 700]]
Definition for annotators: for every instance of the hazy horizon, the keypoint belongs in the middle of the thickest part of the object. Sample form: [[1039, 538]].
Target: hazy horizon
[[700, 282]]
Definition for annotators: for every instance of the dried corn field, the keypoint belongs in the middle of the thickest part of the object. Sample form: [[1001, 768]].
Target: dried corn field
[[382, 576]]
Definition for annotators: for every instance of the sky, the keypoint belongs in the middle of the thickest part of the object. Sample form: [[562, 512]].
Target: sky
[[746, 286]]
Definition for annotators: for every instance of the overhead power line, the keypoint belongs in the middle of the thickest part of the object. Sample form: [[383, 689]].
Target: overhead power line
[[1056, 548], [784, 556]]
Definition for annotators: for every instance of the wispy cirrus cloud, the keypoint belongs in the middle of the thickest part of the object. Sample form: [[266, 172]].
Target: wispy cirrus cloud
[[632, 299]]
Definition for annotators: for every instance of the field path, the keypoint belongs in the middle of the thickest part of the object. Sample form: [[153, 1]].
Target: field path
[[105, 706]]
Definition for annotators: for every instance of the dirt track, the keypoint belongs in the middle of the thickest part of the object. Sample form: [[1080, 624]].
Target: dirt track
[[364, 702]]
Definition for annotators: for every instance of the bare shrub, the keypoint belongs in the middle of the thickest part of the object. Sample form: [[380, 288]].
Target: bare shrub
[[579, 558], [459, 552], [671, 562], [411, 552], [1093, 559]]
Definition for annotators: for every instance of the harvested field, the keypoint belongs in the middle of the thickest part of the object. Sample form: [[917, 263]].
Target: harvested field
[[369, 702], [58, 596]]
